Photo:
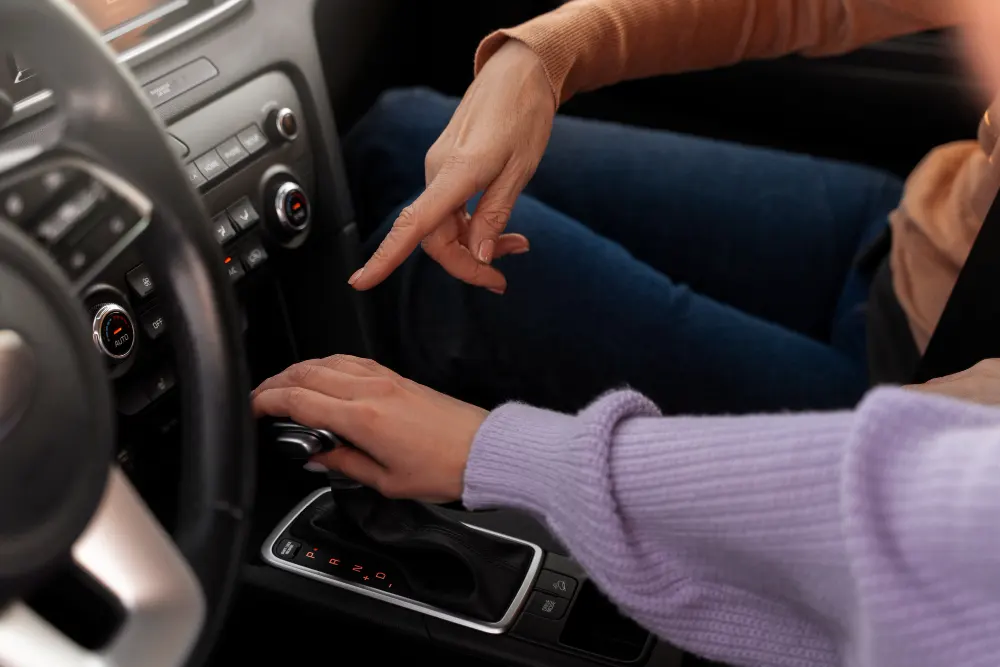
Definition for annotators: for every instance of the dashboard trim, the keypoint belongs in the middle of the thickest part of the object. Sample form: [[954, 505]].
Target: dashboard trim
[[194, 26], [495, 628]]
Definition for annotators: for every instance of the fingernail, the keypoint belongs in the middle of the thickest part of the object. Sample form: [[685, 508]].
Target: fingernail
[[496, 290], [520, 251], [486, 251], [357, 276], [315, 466]]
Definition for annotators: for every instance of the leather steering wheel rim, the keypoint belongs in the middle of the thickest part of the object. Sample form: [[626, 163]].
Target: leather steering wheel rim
[[109, 125]]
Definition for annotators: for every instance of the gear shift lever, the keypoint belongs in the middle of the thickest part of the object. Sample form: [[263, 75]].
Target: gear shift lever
[[442, 562]]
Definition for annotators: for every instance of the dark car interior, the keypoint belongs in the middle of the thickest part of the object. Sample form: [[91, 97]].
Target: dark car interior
[[205, 245]]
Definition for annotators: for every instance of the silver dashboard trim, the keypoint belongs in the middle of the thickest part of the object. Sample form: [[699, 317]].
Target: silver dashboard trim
[[194, 26], [495, 628]]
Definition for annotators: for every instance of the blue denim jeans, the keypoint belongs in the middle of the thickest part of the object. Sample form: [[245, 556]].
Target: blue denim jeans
[[712, 277]]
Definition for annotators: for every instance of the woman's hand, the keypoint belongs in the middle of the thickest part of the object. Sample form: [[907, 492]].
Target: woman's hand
[[979, 384], [493, 145], [411, 441]]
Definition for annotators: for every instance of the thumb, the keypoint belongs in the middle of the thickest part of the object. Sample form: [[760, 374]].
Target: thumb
[[492, 215]]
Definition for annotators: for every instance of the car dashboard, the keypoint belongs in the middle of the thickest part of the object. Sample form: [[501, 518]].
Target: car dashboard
[[240, 88]]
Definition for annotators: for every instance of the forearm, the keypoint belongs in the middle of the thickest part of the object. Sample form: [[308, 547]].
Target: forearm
[[766, 540], [586, 44]]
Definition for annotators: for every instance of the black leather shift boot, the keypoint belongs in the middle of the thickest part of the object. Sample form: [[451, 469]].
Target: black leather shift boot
[[439, 561]]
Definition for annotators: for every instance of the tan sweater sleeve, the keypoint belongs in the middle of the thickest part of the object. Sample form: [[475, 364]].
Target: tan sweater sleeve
[[586, 44]]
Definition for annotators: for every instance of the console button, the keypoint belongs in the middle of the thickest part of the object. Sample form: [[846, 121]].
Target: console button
[[194, 175], [211, 165], [224, 232], [153, 322], [253, 256], [548, 606], [234, 268], [554, 583], [140, 281], [287, 549], [243, 214], [232, 152], [178, 146], [160, 382], [253, 139]]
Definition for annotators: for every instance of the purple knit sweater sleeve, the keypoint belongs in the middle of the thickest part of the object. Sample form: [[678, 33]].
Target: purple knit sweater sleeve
[[869, 539]]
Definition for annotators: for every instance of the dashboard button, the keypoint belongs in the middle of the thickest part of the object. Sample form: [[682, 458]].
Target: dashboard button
[[234, 268], [243, 214], [194, 175], [283, 125], [253, 139], [153, 323], [211, 165], [178, 82], [224, 232], [114, 333], [253, 256], [140, 281], [232, 152], [160, 382], [178, 146]]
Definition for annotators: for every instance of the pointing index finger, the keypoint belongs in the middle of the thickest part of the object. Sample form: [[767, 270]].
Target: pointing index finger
[[449, 190]]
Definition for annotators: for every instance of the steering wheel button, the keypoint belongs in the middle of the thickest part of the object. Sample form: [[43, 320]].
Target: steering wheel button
[[211, 165], [223, 230], [253, 139], [194, 175], [153, 323], [232, 152], [243, 214], [140, 281], [71, 212], [234, 269]]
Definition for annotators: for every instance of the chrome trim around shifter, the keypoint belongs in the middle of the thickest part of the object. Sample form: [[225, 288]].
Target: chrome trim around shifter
[[192, 27], [495, 628]]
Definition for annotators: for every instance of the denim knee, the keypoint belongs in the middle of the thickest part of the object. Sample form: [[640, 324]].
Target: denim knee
[[403, 121]]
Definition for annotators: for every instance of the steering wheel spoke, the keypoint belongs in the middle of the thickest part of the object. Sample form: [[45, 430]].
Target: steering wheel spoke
[[126, 551]]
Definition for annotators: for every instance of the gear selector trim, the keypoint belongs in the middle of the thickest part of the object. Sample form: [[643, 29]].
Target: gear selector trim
[[494, 628]]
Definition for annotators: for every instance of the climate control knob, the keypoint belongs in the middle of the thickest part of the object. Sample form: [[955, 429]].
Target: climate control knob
[[114, 331], [292, 210]]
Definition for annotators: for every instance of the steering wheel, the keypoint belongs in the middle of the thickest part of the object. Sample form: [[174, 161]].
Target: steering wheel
[[61, 498]]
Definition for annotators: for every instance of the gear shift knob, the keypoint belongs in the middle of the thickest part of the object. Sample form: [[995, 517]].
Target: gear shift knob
[[301, 443]]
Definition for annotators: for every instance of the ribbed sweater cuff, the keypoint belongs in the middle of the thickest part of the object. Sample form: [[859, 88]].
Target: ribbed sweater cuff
[[521, 454]]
